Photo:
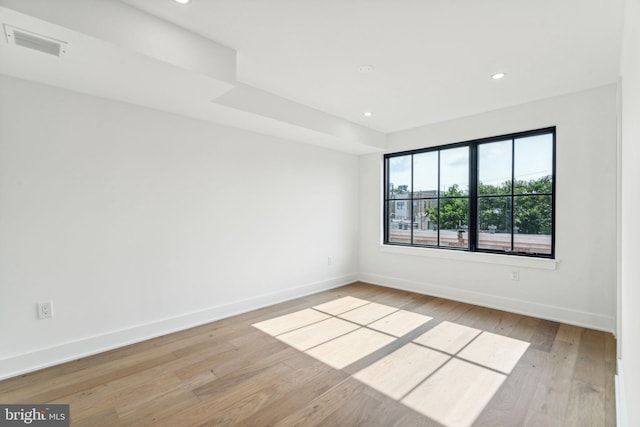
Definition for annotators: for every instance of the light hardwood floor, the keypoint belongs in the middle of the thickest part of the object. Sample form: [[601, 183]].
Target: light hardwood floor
[[382, 357]]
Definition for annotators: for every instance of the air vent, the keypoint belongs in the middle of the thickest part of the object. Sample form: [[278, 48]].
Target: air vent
[[24, 38]]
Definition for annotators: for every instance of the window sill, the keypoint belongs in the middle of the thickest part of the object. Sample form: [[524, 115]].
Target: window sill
[[518, 261]]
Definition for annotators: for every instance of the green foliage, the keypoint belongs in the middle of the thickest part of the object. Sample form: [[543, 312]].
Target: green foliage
[[495, 211], [494, 190], [454, 213], [532, 211], [535, 186], [533, 214]]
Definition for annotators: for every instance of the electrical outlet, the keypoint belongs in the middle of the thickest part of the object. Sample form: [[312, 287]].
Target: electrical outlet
[[515, 275], [329, 260], [45, 310]]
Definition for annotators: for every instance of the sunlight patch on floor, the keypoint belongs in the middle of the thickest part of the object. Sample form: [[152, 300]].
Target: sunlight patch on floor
[[448, 337], [449, 373], [318, 333], [340, 305], [399, 372], [495, 351], [367, 313], [289, 322], [343, 351], [456, 393], [399, 323]]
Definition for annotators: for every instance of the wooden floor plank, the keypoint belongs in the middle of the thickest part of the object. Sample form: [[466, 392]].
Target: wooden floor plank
[[297, 397], [549, 403], [316, 411], [230, 373], [510, 404], [586, 405]]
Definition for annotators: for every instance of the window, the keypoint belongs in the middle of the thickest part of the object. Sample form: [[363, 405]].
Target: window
[[491, 195]]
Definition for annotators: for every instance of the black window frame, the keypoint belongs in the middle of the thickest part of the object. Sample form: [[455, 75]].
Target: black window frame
[[473, 195]]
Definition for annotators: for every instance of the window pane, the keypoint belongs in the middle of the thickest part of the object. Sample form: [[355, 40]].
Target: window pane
[[454, 222], [494, 223], [425, 230], [533, 164], [532, 217], [425, 174], [494, 168], [398, 225], [399, 185], [399, 209], [454, 171]]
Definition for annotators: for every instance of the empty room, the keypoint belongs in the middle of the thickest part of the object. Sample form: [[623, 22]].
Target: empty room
[[305, 213]]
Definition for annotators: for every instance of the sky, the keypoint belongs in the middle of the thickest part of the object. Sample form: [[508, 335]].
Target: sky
[[533, 160]]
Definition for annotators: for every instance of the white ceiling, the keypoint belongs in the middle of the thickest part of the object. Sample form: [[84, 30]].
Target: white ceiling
[[289, 68], [432, 59]]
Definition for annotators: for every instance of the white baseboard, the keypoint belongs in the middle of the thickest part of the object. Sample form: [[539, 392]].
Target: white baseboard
[[621, 401], [43, 358], [549, 312]]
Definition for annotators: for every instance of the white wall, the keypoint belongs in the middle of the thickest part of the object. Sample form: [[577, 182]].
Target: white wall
[[629, 365], [582, 287], [136, 222]]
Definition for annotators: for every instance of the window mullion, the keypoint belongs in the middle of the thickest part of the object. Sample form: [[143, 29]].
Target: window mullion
[[438, 193], [410, 201], [385, 208], [473, 196], [513, 188]]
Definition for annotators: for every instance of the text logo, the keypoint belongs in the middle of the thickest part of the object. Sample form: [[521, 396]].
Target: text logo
[[34, 415]]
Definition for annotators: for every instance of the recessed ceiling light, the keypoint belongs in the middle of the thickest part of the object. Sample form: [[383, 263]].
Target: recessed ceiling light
[[365, 69], [498, 76], [368, 114], [182, 1]]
